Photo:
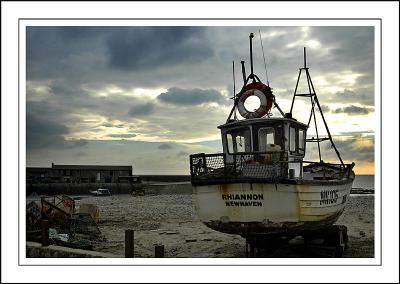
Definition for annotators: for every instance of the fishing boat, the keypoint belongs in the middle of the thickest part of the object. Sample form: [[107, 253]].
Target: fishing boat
[[261, 184]]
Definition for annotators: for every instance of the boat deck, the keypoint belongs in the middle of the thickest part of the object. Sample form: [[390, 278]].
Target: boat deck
[[208, 169]]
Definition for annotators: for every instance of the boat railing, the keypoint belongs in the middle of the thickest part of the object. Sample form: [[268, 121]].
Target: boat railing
[[250, 167], [238, 167], [332, 170]]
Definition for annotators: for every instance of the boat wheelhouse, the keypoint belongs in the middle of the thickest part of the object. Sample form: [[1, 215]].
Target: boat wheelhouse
[[267, 140]]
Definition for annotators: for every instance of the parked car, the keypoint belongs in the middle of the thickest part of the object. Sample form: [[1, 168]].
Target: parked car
[[101, 192]]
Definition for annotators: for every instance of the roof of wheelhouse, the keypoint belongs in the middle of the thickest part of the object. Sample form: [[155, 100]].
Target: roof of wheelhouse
[[252, 121]]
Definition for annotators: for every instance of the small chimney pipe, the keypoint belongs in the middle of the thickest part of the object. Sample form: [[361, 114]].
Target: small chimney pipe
[[243, 72]]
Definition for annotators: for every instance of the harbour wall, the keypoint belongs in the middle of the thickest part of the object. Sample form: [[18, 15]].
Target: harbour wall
[[78, 188], [166, 178], [118, 188]]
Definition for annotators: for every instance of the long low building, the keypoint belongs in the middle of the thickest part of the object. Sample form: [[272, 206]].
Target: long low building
[[80, 174]]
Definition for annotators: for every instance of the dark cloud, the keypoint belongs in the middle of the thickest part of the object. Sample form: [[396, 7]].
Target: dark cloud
[[164, 146], [348, 44], [149, 47], [325, 108], [141, 109], [353, 110], [63, 52], [93, 54], [41, 41], [79, 32], [341, 48], [41, 133], [196, 96], [362, 96], [122, 135]]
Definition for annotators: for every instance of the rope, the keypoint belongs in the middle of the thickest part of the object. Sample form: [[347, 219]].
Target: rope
[[265, 64], [234, 89]]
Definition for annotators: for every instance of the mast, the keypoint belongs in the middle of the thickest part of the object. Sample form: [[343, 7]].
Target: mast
[[251, 56], [255, 80], [314, 101]]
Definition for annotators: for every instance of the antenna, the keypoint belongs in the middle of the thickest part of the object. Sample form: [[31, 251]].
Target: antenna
[[251, 55], [305, 58], [234, 81], [265, 64]]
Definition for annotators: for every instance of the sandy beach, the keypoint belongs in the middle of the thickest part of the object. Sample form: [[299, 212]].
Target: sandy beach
[[168, 217]]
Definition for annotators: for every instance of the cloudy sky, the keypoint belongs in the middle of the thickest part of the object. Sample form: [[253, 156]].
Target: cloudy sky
[[150, 96]]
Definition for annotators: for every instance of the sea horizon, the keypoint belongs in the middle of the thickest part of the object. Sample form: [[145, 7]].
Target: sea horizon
[[364, 182]]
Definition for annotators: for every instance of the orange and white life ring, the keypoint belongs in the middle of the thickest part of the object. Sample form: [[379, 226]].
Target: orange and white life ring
[[263, 93]]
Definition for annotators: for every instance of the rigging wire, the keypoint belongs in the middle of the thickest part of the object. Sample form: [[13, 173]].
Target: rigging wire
[[265, 64], [234, 88]]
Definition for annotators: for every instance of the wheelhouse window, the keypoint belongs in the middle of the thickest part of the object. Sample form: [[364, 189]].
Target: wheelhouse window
[[266, 136], [292, 139], [302, 140], [239, 140]]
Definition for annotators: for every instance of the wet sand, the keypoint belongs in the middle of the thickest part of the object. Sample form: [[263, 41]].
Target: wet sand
[[169, 218]]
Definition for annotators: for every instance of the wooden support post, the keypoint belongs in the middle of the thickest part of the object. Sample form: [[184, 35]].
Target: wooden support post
[[291, 173], [159, 251], [129, 244], [250, 246], [45, 233], [251, 250]]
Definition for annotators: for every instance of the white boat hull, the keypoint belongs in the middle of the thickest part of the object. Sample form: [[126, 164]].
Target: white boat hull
[[268, 207]]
